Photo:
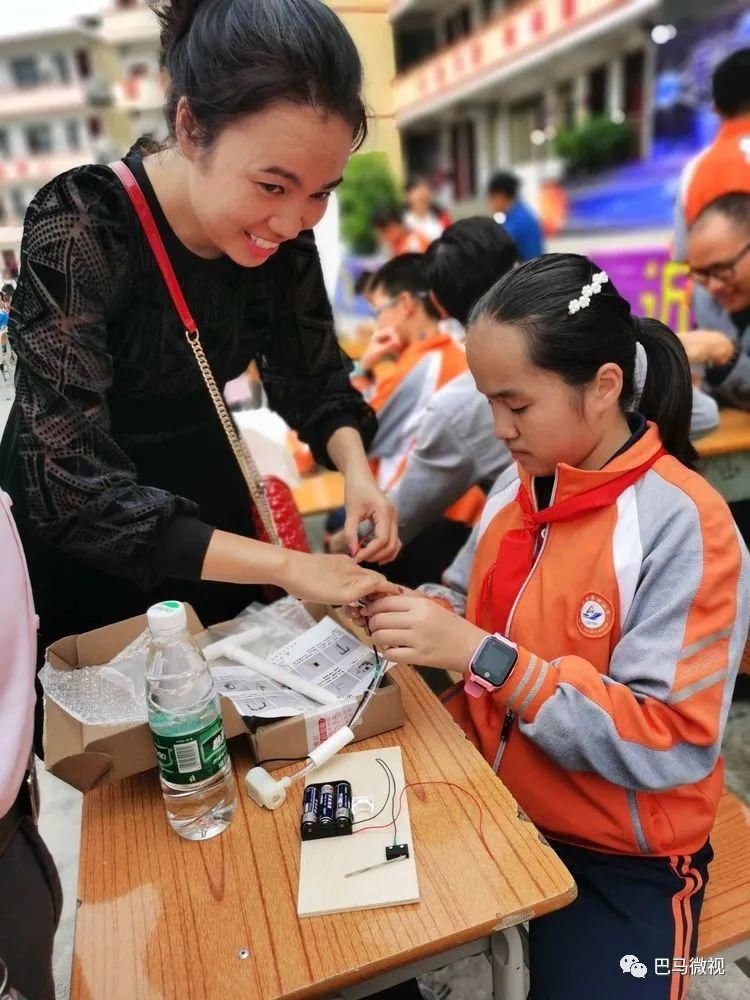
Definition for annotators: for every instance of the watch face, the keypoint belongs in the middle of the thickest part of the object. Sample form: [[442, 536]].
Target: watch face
[[495, 662]]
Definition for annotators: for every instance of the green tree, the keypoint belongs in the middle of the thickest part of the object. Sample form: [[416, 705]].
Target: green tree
[[368, 185], [594, 145]]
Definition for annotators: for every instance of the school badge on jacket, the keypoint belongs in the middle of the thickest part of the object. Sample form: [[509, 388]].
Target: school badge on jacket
[[595, 617]]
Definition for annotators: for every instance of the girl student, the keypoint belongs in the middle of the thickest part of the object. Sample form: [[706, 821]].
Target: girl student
[[606, 616]]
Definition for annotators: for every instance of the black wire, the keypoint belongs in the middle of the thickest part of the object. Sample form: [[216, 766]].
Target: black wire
[[393, 805], [388, 775], [278, 760], [375, 677]]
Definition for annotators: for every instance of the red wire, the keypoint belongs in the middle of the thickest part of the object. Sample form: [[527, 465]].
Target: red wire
[[450, 784]]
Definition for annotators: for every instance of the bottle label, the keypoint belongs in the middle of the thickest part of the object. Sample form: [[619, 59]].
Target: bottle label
[[192, 757]]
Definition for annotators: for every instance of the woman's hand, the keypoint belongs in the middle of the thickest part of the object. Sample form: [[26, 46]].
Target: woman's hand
[[707, 347], [364, 501], [411, 628], [330, 579]]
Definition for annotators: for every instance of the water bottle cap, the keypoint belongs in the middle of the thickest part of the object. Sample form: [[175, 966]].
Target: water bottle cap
[[167, 617]]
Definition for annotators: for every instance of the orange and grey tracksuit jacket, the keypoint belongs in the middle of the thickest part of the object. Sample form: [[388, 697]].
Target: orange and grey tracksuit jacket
[[400, 400], [630, 629]]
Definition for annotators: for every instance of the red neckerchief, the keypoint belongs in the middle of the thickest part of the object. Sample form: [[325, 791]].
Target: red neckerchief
[[515, 557]]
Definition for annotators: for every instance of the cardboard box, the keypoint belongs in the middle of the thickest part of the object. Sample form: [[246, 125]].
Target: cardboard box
[[89, 756]]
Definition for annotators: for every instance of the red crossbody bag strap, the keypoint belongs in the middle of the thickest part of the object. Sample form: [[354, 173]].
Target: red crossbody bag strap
[[249, 469], [153, 236]]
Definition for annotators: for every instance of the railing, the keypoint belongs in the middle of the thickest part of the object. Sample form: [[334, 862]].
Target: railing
[[512, 35], [31, 170], [45, 99]]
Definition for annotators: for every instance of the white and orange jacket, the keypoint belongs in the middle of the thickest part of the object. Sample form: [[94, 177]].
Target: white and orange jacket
[[630, 630], [400, 400]]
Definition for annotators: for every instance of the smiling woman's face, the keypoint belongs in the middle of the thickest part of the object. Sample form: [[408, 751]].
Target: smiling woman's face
[[266, 178]]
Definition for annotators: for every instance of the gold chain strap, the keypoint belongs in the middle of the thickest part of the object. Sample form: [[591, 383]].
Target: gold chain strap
[[245, 460]]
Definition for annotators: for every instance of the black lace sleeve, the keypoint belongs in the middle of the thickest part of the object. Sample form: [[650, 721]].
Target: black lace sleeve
[[81, 492], [304, 371]]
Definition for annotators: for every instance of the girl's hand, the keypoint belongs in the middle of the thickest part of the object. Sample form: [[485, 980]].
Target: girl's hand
[[384, 342], [364, 501], [410, 628], [331, 579]]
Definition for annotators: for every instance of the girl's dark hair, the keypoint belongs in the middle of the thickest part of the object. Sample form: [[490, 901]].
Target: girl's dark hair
[[465, 261], [232, 58], [534, 298]]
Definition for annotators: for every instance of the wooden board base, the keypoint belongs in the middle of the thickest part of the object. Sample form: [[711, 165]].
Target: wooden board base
[[323, 887]]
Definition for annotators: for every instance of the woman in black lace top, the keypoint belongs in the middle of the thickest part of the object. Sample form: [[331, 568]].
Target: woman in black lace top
[[125, 488]]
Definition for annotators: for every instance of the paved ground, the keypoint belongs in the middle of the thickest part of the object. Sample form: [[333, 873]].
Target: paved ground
[[466, 980]]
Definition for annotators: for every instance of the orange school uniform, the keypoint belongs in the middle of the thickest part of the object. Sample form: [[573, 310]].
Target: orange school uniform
[[401, 397], [630, 627]]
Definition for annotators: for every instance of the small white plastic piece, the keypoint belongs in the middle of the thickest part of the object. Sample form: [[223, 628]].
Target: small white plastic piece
[[331, 746], [264, 789], [215, 650], [231, 648]]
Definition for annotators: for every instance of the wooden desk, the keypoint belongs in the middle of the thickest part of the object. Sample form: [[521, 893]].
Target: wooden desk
[[725, 455], [161, 917], [320, 493]]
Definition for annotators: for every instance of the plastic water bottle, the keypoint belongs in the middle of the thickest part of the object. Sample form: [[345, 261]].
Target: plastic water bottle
[[200, 793]]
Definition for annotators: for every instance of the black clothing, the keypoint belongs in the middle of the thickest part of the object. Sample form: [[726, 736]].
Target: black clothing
[[113, 454]]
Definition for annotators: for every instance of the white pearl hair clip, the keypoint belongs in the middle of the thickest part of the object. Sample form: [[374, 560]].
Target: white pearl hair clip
[[587, 291]]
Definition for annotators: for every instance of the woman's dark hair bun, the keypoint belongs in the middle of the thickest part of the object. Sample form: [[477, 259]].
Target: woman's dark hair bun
[[175, 18], [233, 58]]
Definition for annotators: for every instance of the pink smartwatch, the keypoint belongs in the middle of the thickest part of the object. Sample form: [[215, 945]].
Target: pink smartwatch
[[491, 665]]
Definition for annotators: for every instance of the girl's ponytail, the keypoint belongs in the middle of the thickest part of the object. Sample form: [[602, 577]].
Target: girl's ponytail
[[667, 396]]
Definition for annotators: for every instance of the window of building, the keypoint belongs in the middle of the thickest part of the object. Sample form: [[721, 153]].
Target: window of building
[[565, 112], [597, 90], [38, 138], [62, 67], [83, 64], [458, 25], [95, 127], [634, 71], [525, 117], [422, 150], [18, 202], [73, 134], [464, 158], [25, 71], [413, 44], [3, 212], [4, 143]]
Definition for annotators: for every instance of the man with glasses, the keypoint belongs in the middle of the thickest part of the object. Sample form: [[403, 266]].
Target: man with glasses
[[719, 261]]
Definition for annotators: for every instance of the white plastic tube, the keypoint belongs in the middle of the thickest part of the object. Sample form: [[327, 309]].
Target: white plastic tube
[[231, 649]]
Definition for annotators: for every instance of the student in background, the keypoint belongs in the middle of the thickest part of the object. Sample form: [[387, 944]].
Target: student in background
[[510, 211], [724, 167], [601, 642], [456, 448], [395, 235], [423, 215], [427, 359]]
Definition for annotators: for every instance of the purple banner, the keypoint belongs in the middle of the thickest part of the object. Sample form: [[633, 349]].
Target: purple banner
[[653, 284]]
